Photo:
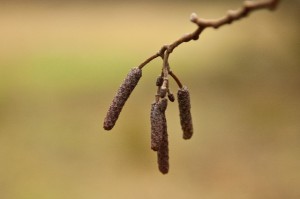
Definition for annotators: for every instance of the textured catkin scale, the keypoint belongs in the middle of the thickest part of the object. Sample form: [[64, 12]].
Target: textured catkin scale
[[121, 97], [185, 112], [163, 151]]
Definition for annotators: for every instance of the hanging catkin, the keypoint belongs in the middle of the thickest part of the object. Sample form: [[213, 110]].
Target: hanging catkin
[[185, 112], [163, 150], [157, 119], [121, 97], [159, 134], [157, 126], [163, 154]]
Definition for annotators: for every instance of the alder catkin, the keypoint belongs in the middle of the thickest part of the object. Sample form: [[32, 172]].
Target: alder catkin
[[163, 155], [121, 97], [163, 150], [184, 103], [156, 126], [157, 123]]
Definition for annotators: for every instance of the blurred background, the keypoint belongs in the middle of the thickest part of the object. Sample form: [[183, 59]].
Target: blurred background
[[61, 63]]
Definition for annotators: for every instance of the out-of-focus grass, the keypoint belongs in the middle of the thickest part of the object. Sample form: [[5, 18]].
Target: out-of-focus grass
[[61, 65]]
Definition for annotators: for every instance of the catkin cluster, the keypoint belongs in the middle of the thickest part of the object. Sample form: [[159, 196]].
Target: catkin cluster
[[159, 132]]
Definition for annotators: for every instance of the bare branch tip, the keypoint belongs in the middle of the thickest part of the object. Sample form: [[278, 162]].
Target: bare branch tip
[[194, 18], [159, 135]]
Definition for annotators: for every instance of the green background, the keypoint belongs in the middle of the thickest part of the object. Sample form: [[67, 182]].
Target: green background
[[62, 62]]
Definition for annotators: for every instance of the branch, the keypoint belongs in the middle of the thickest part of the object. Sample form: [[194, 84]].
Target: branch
[[232, 15], [159, 135]]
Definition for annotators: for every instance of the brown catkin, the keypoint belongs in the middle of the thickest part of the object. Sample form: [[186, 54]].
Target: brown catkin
[[163, 150], [157, 123], [184, 103], [121, 97], [156, 126]]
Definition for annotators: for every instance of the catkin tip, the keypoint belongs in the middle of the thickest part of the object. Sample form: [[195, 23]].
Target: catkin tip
[[107, 127]]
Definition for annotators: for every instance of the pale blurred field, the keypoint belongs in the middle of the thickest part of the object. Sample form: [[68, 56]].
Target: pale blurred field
[[61, 63]]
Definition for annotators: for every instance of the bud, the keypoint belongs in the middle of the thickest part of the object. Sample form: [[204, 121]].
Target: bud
[[159, 81], [171, 97], [184, 103], [121, 97]]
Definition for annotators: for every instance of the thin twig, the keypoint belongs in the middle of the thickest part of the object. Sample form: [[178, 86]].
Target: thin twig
[[176, 79], [166, 66], [148, 60], [232, 15]]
